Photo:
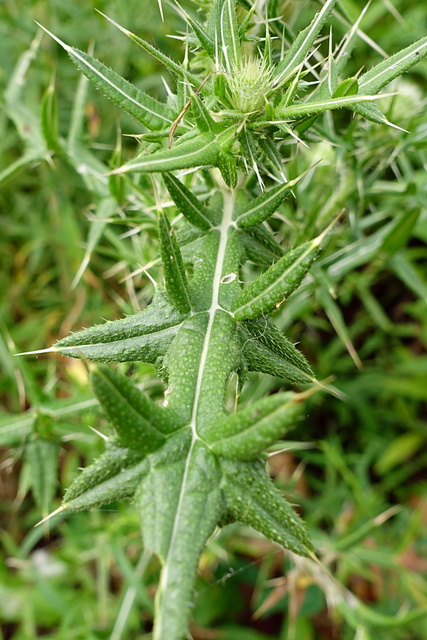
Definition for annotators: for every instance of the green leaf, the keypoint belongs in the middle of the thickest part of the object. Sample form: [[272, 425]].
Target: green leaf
[[228, 36], [266, 333], [201, 115], [376, 78], [203, 37], [113, 476], [187, 203], [173, 267], [245, 434], [180, 503], [144, 108], [228, 167], [200, 151], [258, 357], [252, 499], [301, 46], [172, 66], [144, 336], [41, 454], [264, 206], [271, 288], [306, 108], [260, 245], [348, 87], [139, 423]]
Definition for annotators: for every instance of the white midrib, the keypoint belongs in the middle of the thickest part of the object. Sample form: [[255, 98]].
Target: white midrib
[[228, 209]]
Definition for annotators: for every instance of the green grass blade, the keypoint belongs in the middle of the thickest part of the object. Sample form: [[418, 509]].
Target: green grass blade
[[41, 454], [336, 319], [105, 209], [409, 275], [49, 119]]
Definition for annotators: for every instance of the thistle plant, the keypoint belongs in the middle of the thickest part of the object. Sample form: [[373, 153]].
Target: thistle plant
[[219, 144]]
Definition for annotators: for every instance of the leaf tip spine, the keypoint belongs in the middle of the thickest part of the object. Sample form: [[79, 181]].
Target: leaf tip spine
[[31, 353], [63, 507], [58, 40]]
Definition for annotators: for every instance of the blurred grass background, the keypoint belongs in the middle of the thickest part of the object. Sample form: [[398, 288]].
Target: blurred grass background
[[356, 467]]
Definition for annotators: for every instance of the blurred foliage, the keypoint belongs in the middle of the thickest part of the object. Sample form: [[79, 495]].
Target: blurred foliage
[[357, 464]]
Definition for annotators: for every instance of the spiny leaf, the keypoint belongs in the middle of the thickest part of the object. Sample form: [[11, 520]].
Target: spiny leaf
[[221, 358], [142, 107], [245, 434], [371, 112], [260, 245], [271, 288], [306, 108], [113, 476], [172, 66], [201, 115], [203, 37], [264, 205], [301, 46], [186, 202], [200, 151], [252, 499], [180, 504], [258, 357], [117, 474], [376, 78], [173, 267], [143, 336], [227, 165], [266, 332], [228, 35], [139, 423]]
